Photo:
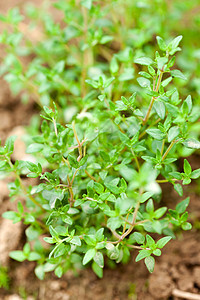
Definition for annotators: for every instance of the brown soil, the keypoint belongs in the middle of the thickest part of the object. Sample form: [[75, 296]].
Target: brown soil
[[177, 268]]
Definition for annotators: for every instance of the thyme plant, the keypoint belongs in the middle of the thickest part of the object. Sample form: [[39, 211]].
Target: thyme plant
[[99, 158]]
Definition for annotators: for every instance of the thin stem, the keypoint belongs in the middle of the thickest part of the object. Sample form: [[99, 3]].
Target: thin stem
[[55, 127], [168, 149], [144, 132], [163, 146], [137, 247], [89, 175], [153, 98], [128, 231], [23, 186], [136, 159]]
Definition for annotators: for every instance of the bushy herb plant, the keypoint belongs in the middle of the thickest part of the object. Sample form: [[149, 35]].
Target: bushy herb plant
[[105, 144]]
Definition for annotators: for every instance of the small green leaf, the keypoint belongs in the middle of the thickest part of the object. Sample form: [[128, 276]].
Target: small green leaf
[[140, 239], [34, 256], [156, 134], [98, 258], [181, 207], [161, 43], [160, 109], [178, 74], [186, 226], [34, 148], [97, 270], [89, 255], [114, 67], [160, 212], [146, 61], [142, 254], [87, 3], [173, 133], [150, 263], [191, 143], [144, 82], [150, 241], [76, 241], [39, 272], [163, 241], [187, 168], [176, 41], [59, 271], [150, 206], [178, 188], [17, 255], [98, 188], [195, 174], [157, 252]]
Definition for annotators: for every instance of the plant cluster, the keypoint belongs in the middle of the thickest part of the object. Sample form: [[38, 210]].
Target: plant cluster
[[104, 145]]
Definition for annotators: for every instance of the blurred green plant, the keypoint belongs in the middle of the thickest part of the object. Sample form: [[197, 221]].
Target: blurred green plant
[[4, 278]]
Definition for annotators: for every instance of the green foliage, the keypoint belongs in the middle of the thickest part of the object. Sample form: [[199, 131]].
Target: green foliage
[[114, 121], [4, 278]]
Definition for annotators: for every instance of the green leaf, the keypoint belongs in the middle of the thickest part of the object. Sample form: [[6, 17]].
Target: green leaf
[[166, 81], [156, 134], [144, 82], [150, 263], [145, 196], [89, 255], [17, 255], [157, 252], [160, 109], [113, 188], [178, 74], [87, 3], [73, 162], [98, 258], [9, 144], [114, 67], [145, 74], [187, 168], [34, 256], [98, 188], [173, 133], [146, 61], [20, 208], [186, 226], [150, 206], [195, 174], [39, 272], [150, 241], [178, 188], [59, 271], [160, 212], [76, 241], [161, 43], [140, 239], [176, 41], [191, 143], [12, 215], [114, 223], [53, 232], [161, 61], [97, 270], [142, 254], [163, 241], [181, 207], [49, 240], [59, 250], [34, 148]]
